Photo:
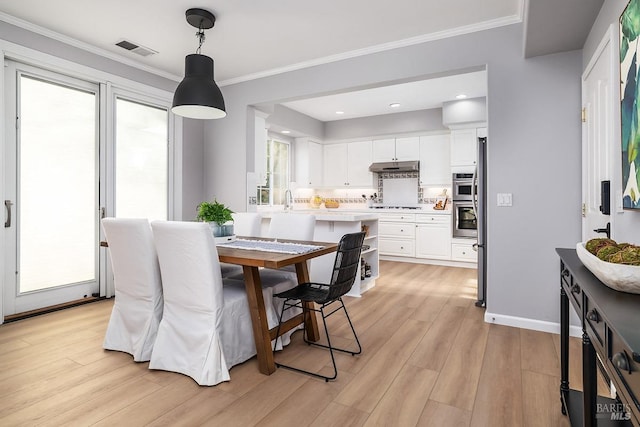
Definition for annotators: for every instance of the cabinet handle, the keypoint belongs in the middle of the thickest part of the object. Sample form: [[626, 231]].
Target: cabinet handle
[[593, 316], [621, 361]]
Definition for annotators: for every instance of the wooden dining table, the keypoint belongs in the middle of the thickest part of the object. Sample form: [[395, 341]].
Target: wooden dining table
[[251, 261]]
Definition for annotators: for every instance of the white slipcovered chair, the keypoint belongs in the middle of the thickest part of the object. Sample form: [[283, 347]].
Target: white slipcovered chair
[[292, 227], [137, 309], [206, 327], [247, 223], [244, 224]]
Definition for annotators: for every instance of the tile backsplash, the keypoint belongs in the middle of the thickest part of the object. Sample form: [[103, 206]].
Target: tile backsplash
[[395, 175], [346, 196]]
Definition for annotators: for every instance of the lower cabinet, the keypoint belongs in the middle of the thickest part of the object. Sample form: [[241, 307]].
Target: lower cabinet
[[463, 252], [433, 236], [396, 247], [397, 235]]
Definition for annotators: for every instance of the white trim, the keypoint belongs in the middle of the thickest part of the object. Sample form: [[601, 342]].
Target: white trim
[[467, 29], [55, 64], [85, 46], [444, 262], [532, 324], [481, 26], [606, 39]]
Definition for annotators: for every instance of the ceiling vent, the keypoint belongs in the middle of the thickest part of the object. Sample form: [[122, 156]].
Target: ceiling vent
[[132, 47]]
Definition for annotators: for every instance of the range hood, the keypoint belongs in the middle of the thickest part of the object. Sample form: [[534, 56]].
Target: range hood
[[409, 166]]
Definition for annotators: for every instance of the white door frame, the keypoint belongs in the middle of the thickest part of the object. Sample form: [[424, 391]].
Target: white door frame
[[13, 51], [611, 108]]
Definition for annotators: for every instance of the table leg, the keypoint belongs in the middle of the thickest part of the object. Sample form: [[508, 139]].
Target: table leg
[[313, 334], [564, 349], [266, 363], [589, 380]]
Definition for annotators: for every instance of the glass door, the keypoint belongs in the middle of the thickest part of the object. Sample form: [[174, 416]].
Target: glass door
[[52, 186]]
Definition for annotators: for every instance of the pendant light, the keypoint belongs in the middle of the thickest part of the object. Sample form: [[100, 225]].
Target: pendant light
[[198, 96]]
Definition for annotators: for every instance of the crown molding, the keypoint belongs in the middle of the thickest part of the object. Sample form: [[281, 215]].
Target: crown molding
[[85, 46], [481, 26]]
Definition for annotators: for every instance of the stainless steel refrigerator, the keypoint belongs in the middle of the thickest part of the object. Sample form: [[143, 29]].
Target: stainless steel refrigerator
[[480, 210]]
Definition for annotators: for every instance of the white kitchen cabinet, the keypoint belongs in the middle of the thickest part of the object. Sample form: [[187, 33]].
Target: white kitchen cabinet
[[435, 160], [359, 160], [433, 236], [308, 163], [396, 234], [347, 165], [335, 165], [463, 252], [396, 149], [464, 147]]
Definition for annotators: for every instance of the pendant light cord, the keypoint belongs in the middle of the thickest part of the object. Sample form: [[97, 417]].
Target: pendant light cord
[[201, 38]]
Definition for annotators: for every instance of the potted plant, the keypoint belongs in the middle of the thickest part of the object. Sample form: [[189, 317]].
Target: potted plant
[[218, 216]]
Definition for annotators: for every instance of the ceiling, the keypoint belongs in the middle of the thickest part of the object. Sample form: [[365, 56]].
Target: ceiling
[[256, 38], [419, 95]]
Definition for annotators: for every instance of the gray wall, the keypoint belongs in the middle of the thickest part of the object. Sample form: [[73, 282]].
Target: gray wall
[[293, 120], [625, 225], [386, 124], [534, 149], [464, 111], [192, 167], [192, 130]]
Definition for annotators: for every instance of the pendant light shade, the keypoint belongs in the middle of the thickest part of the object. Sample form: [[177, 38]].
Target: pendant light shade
[[198, 96]]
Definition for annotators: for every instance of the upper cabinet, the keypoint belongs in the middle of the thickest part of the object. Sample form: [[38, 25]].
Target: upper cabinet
[[396, 149], [435, 164], [464, 147], [347, 165], [308, 163]]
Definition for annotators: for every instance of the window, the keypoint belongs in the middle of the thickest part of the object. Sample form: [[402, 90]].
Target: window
[[278, 170]]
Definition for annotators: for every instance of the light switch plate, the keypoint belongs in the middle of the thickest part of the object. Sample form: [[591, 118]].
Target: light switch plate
[[505, 199]]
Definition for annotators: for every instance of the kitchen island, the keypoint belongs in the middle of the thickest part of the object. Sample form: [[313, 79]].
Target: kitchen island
[[330, 227]]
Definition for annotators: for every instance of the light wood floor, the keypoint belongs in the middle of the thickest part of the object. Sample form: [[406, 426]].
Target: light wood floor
[[428, 360]]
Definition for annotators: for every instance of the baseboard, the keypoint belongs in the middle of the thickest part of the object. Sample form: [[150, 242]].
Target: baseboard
[[524, 323], [443, 262]]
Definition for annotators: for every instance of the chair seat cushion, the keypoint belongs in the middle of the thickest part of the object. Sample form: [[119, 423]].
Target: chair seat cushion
[[315, 292]]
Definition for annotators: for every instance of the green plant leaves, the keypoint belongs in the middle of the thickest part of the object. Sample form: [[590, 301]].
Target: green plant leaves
[[214, 212]]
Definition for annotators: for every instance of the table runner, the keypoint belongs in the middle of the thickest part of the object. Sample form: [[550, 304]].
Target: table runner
[[271, 246]]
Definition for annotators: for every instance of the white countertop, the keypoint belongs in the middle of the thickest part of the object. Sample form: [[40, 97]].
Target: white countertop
[[351, 213]]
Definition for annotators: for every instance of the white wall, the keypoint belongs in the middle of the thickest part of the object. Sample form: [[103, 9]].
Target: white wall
[[533, 152]]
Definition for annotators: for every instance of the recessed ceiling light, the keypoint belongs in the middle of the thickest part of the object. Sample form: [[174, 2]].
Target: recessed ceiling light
[[461, 96], [286, 131], [394, 105], [339, 112]]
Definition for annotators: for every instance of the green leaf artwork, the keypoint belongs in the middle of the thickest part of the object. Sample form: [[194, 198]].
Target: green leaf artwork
[[629, 105]]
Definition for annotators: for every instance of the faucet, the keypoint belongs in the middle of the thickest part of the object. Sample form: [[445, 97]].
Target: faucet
[[288, 200]]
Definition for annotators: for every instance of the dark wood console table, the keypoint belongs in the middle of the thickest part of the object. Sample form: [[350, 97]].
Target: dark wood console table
[[610, 323]]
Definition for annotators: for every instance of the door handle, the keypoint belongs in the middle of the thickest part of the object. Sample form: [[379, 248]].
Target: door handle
[[606, 230], [7, 205]]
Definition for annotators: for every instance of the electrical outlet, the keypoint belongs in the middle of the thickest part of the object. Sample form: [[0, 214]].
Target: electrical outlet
[[505, 199], [253, 200]]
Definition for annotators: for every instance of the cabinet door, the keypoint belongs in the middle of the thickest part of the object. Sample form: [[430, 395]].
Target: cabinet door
[[433, 241], [408, 148], [314, 160], [435, 160], [464, 147], [359, 160], [335, 165], [384, 150]]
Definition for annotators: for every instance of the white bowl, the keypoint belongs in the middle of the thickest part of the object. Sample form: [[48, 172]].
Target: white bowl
[[621, 277]]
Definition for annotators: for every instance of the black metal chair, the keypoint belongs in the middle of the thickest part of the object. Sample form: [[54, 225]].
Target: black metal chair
[[344, 273]]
